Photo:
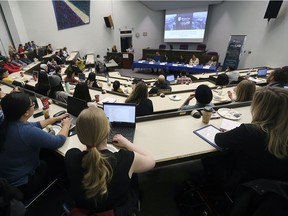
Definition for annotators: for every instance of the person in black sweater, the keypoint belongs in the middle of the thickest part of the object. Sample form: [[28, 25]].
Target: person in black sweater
[[42, 87], [139, 96], [101, 181], [258, 150]]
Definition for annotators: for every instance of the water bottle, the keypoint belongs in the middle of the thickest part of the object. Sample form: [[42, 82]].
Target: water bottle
[[67, 87], [108, 81]]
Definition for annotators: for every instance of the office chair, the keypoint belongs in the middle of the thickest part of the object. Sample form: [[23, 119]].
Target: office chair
[[201, 47], [162, 46], [212, 53], [183, 47]]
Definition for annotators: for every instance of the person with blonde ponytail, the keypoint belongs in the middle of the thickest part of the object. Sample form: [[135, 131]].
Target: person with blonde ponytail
[[258, 150], [101, 180]]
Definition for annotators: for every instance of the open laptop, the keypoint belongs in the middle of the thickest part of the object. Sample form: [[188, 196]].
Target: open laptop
[[171, 78], [122, 118], [81, 77], [74, 108], [262, 72]]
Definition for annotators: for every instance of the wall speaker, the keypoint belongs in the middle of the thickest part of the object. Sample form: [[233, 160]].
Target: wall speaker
[[109, 22], [273, 9]]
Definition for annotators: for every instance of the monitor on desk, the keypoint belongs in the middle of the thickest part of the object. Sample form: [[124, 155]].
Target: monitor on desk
[[170, 78], [262, 72]]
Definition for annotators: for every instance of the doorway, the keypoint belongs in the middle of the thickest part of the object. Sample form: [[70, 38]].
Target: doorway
[[126, 41]]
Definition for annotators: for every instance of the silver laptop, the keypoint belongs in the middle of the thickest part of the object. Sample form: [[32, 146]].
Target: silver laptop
[[262, 72], [171, 78], [122, 118]]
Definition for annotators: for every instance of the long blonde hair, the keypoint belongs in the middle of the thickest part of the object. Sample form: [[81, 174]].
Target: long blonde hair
[[245, 91], [92, 129], [269, 112], [139, 94]]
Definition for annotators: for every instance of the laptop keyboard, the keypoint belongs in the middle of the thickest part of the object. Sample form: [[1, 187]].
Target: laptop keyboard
[[128, 133]]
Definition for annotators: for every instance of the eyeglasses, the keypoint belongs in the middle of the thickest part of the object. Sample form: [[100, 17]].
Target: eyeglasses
[[32, 104]]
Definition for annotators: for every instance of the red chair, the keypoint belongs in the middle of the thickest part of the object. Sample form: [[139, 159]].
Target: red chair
[[183, 47], [201, 47], [83, 212]]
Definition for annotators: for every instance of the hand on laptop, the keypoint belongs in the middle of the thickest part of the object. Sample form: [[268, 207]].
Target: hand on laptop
[[61, 117], [65, 121], [120, 141]]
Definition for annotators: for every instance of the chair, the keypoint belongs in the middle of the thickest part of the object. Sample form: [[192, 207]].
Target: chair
[[212, 53], [201, 47], [162, 46], [183, 47]]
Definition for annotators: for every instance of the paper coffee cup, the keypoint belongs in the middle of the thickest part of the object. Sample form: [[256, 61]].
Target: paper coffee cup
[[206, 114]]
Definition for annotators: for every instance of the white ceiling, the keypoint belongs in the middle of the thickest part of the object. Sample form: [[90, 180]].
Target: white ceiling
[[171, 5]]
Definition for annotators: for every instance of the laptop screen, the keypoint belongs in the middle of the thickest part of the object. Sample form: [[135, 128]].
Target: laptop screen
[[32, 98], [170, 78], [75, 106], [262, 72], [120, 112]]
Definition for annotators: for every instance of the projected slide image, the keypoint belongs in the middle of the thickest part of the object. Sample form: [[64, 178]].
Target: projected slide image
[[185, 26]]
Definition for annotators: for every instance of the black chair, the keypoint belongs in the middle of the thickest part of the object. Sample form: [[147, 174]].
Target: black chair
[[201, 47], [162, 46], [183, 47]]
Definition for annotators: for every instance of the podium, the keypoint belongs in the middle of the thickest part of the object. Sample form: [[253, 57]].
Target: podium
[[127, 60]]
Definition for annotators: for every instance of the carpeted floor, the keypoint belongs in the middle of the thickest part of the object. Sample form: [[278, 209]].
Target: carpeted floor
[[144, 74]]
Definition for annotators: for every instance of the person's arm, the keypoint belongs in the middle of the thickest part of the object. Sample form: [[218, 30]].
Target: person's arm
[[187, 100], [143, 161], [53, 120], [230, 95]]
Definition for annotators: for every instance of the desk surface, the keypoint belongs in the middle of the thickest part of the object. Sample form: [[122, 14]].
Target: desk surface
[[167, 139]]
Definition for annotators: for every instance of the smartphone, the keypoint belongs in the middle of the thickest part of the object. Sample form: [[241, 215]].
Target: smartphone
[[36, 115]]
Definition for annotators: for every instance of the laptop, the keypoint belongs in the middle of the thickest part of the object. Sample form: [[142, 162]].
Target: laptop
[[262, 72], [81, 77], [171, 78], [33, 98], [74, 108], [122, 118]]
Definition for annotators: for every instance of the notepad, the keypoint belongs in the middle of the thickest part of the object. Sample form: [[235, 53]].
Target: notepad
[[227, 125], [208, 133], [107, 100]]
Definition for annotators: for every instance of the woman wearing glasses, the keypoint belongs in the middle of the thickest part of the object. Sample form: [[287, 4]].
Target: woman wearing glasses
[[21, 141]]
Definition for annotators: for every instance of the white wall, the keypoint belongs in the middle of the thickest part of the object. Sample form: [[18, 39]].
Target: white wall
[[268, 41], [40, 24]]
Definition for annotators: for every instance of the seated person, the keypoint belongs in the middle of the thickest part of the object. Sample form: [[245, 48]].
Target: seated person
[[56, 89], [58, 59], [81, 63], [233, 75], [21, 48], [49, 49], [21, 142], [24, 58], [135, 81], [258, 150], [111, 187], [194, 61], [100, 65], [71, 77], [114, 48], [44, 68], [183, 78], [4, 76], [162, 83], [139, 96], [92, 82], [116, 87], [75, 68], [244, 91], [11, 67], [12, 51], [278, 78], [181, 60], [16, 61], [42, 86], [65, 52], [203, 95], [222, 80], [82, 92], [157, 57], [212, 61]]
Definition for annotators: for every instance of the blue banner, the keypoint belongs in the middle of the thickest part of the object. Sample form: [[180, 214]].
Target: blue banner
[[234, 51]]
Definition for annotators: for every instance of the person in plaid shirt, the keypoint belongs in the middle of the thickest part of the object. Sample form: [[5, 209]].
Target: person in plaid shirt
[[183, 78]]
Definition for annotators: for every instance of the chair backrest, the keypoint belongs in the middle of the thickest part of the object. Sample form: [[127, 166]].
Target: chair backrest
[[183, 46], [162, 46], [201, 47], [164, 90]]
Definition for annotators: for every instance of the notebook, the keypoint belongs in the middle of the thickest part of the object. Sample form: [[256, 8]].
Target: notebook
[[32, 98], [262, 72], [74, 108], [170, 78], [81, 77], [122, 118]]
